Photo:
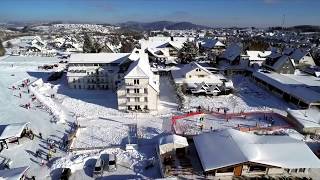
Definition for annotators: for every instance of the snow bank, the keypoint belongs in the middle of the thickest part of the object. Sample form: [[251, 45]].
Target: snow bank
[[38, 88]]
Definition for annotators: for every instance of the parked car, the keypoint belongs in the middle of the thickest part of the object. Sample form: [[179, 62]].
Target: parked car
[[99, 167], [112, 162], [65, 174]]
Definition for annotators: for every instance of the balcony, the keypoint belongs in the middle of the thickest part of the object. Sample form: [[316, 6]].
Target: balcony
[[136, 94], [133, 85], [133, 103]]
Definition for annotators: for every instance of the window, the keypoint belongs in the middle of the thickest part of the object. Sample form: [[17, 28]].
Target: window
[[136, 99], [74, 80], [302, 170], [79, 86], [136, 81], [75, 86], [128, 90], [128, 99], [145, 107], [146, 90], [257, 168], [78, 80], [129, 107], [137, 91], [145, 99]]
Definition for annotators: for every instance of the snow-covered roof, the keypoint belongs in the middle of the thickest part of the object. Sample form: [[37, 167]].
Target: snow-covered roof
[[163, 42], [230, 147], [257, 55], [12, 130], [192, 66], [179, 75], [298, 54], [290, 86], [309, 118], [155, 52], [274, 55], [288, 50], [210, 43], [171, 142], [14, 173], [99, 58], [283, 59], [140, 68], [232, 52]]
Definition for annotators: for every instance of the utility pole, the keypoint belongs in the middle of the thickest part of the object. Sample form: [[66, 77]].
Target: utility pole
[[283, 21]]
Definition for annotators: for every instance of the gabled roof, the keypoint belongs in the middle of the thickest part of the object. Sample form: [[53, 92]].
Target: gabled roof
[[232, 52], [192, 66], [258, 55], [283, 59], [274, 55], [298, 54], [140, 68], [211, 43], [288, 51], [231, 147]]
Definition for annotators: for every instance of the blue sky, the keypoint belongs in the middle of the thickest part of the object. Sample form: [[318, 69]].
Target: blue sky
[[260, 13]]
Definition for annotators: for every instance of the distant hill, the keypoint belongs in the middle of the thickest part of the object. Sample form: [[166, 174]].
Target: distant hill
[[306, 28], [299, 28], [160, 25]]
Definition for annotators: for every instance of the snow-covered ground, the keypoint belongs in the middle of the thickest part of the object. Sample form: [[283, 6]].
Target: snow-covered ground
[[247, 97], [101, 124], [12, 71]]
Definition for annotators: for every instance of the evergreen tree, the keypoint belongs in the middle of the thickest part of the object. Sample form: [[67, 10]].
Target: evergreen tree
[[87, 44], [126, 46], [9, 44], [188, 52], [2, 50]]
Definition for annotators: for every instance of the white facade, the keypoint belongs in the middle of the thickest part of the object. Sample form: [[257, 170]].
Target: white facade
[[95, 71], [128, 74], [139, 89]]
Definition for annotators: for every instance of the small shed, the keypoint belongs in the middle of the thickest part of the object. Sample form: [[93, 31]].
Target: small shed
[[171, 143], [14, 130]]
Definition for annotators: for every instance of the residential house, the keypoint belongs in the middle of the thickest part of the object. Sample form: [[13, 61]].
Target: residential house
[[302, 57], [197, 79], [280, 64], [232, 54], [255, 57]]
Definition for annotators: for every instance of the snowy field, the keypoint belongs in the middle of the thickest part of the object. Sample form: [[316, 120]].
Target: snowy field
[[247, 97]]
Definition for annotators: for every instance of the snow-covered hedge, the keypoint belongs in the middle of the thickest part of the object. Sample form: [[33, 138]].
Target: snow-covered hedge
[[56, 110]]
